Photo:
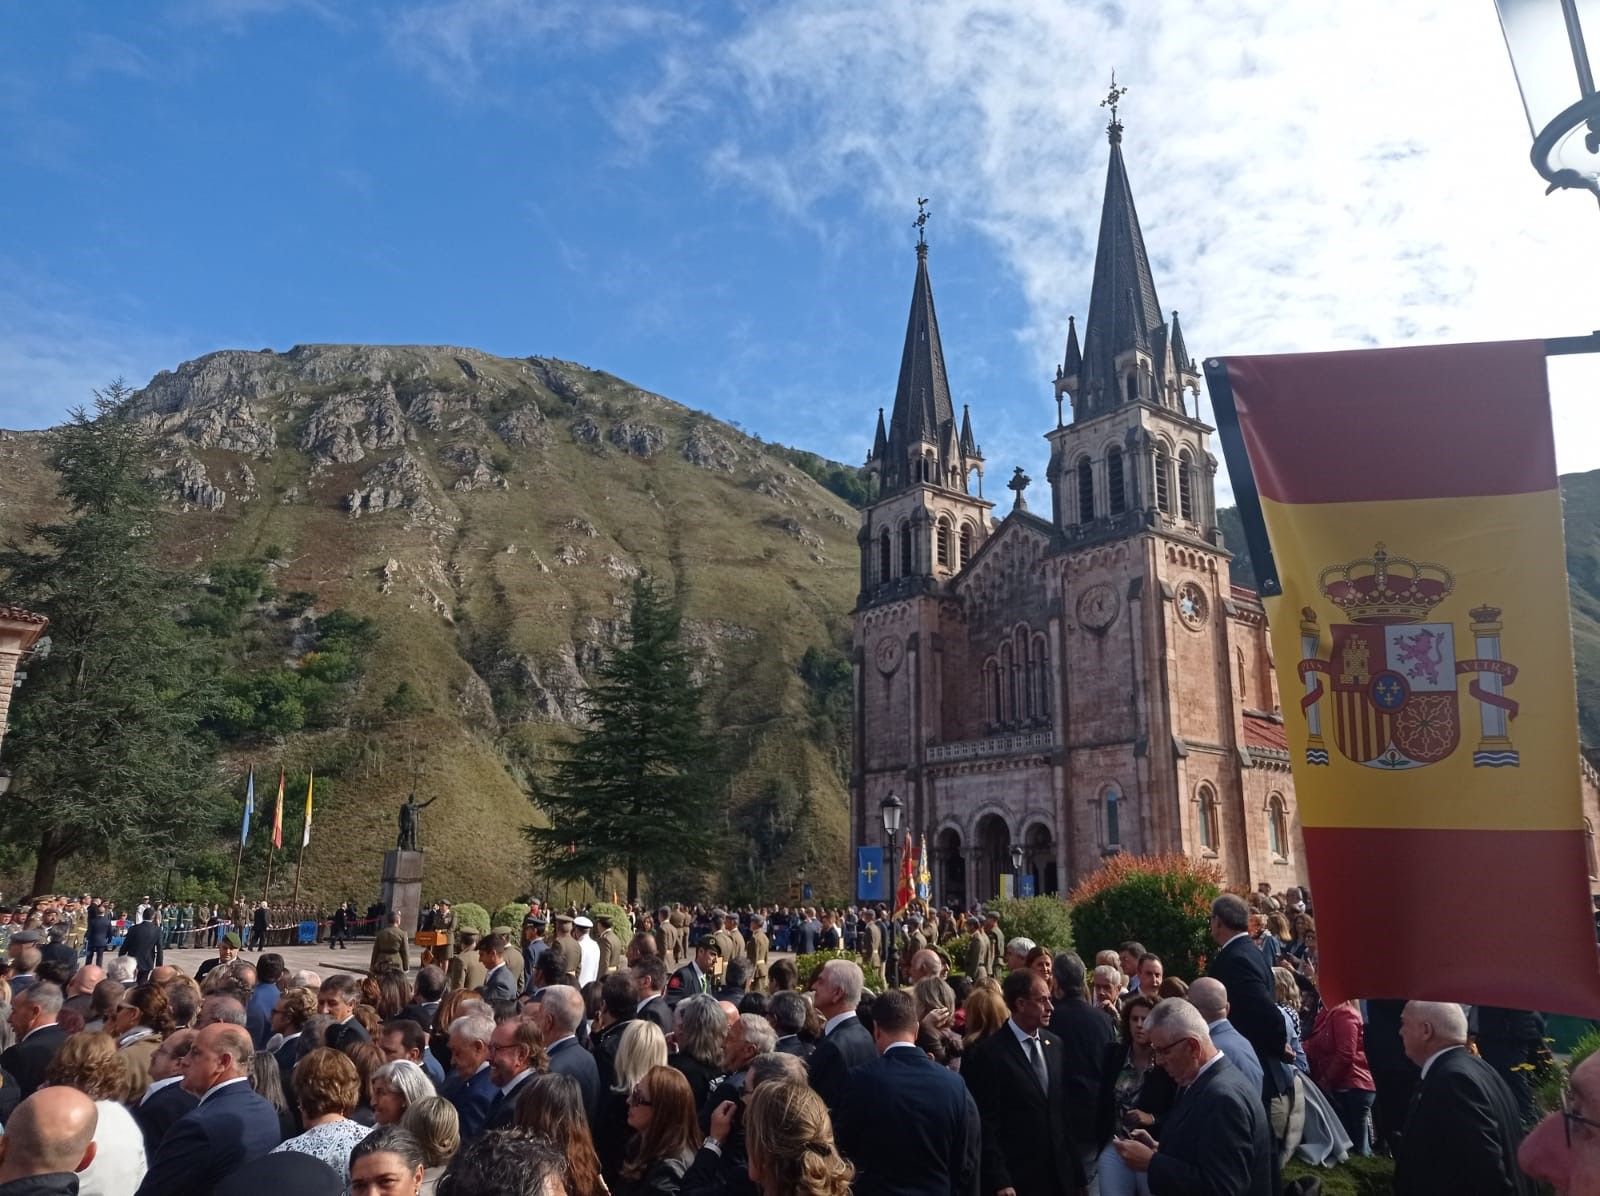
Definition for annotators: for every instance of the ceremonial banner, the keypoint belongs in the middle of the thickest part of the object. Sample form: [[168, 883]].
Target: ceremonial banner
[[310, 782], [249, 806], [1405, 522], [906, 890], [277, 814], [924, 875], [871, 883]]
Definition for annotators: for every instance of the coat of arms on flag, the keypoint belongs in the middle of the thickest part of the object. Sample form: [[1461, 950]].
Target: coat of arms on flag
[[1393, 674]]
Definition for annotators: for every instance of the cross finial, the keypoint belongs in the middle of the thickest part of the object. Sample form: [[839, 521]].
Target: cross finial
[[1019, 482], [1113, 98], [921, 222]]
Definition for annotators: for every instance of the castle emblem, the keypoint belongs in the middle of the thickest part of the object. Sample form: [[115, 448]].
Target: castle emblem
[[1392, 675]]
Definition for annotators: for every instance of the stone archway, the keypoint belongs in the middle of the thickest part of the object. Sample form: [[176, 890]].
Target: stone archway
[[993, 856], [1039, 859], [952, 868]]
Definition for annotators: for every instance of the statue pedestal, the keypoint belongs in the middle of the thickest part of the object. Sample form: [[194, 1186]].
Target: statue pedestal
[[402, 887]]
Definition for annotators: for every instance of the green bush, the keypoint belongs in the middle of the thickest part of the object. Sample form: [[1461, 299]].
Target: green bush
[[809, 965], [510, 914], [619, 916], [1163, 902], [1355, 1177], [956, 949], [472, 916], [1042, 919]]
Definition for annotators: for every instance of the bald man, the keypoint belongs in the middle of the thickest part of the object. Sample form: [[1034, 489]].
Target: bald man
[[231, 1126], [48, 1139]]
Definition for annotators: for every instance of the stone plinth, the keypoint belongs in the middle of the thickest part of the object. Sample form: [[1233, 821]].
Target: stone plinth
[[402, 887], [19, 630]]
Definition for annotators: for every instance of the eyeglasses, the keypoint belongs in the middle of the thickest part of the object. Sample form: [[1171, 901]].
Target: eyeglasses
[[1158, 1050], [1568, 1117], [638, 1099]]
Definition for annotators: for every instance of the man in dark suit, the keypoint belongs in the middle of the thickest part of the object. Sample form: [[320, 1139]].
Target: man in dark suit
[[787, 1013], [650, 977], [934, 1139], [515, 1057], [166, 1100], [1016, 1079], [231, 1126], [338, 998], [143, 943], [696, 975], [846, 1045], [498, 982], [471, 1089], [560, 1013], [1085, 1034], [1215, 1138], [33, 1020], [1252, 1007], [1462, 1133]]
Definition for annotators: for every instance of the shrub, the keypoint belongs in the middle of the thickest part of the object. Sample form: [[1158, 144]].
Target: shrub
[[956, 949], [1356, 1176], [619, 916], [1043, 919], [1162, 901], [809, 965], [472, 916], [510, 914]]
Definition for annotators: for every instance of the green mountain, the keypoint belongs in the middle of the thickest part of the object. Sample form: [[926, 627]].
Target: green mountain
[[488, 514], [1580, 496]]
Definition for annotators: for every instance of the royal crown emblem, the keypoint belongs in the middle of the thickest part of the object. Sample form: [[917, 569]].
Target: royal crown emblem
[[1393, 675]]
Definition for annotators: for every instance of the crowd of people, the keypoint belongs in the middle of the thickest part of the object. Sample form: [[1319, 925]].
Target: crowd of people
[[676, 1052]]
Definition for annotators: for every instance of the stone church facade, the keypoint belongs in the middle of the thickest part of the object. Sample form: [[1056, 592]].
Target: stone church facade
[[1078, 679]]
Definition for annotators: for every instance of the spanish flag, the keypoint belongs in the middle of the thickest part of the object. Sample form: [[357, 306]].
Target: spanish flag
[[277, 814], [1404, 517]]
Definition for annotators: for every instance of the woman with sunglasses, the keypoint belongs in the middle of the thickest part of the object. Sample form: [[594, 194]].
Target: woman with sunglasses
[[661, 1114]]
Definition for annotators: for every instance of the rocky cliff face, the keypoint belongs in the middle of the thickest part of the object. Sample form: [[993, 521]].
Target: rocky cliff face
[[490, 513]]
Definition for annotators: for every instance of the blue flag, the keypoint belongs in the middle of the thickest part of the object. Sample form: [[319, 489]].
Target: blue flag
[[249, 807], [871, 883]]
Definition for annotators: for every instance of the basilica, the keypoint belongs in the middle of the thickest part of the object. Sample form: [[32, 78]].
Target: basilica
[[1076, 676]]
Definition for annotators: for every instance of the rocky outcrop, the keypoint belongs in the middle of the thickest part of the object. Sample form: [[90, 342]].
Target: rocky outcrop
[[524, 426], [586, 431], [582, 526], [639, 440], [386, 422], [706, 449], [329, 435], [400, 483], [191, 486], [474, 464]]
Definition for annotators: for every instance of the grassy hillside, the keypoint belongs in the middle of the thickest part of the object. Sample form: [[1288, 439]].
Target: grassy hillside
[[1580, 494], [488, 513]]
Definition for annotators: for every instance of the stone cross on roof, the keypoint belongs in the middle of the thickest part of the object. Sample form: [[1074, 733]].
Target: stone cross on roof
[[1019, 482]]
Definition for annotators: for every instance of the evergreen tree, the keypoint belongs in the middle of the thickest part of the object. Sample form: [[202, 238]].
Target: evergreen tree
[[638, 788], [105, 741]]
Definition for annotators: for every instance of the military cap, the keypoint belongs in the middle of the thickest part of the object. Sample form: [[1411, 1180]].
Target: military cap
[[710, 944]]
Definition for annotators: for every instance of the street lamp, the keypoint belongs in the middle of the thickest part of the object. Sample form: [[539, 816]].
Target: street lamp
[[891, 808], [1545, 39], [5, 781], [1016, 870]]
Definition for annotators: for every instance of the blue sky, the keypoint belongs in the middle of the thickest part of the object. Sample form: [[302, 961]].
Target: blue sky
[[714, 200]]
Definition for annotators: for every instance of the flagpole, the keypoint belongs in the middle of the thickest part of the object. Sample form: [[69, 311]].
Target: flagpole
[[238, 863], [272, 853], [244, 833], [305, 837]]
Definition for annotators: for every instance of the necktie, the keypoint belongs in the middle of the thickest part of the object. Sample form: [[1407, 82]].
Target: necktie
[[1036, 1057], [703, 987]]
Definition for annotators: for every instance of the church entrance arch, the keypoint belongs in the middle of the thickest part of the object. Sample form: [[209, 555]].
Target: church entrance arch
[[952, 868], [994, 856], [1039, 858]]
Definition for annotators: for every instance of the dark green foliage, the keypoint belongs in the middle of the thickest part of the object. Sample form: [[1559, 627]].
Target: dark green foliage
[[1042, 919], [510, 914], [849, 483], [232, 590], [1354, 1177], [809, 965], [472, 916], [829, 682], [279, 701], [639, 788], [1163, 902], [106, 740], [766, 825], [403, 701]]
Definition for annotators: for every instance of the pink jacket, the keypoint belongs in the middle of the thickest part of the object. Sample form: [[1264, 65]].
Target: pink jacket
[[1338, 1060]]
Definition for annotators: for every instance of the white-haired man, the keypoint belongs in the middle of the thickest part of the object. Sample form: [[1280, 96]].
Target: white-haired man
[[1215, 1139], [1462, 1132], [472, 1089], [561, 1013], [846, 1044]]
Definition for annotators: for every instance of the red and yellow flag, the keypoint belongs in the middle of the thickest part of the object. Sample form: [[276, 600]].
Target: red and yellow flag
[[906, 891], [1413, 570], [277, 814]]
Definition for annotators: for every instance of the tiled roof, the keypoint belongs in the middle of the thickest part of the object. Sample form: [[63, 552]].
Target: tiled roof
[[17, 615], [1263, 732]]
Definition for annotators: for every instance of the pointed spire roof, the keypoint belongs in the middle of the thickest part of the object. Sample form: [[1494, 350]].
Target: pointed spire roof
[[969, 446], [1180, 352], [1074, 359], [922, 397], [1123, 308], [880, 442]]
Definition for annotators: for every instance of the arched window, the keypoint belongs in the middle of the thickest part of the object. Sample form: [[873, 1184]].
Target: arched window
[[1163, 480], [1588, 845], [1008, 693], [1111, 836], [1085, 491], [905, 550], [1210, 832], [991, 691], [1116, 496], [885, 556], [1185, 485], [1133, 388], [944, 542], [1041, 657], [1277, 827], [966, 544]]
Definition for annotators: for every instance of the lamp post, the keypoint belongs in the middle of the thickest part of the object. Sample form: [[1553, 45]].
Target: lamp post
[[5, 780], [1545, 39], [1016, 870], [891, 808]]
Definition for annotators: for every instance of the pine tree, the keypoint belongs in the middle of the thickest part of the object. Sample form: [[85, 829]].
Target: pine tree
[[638, 788], [105, 742]]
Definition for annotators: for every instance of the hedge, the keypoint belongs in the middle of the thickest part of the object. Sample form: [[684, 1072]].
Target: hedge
[[472, 916], [1163, 902], [511, 914], [1043, 919], [809, 965]]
